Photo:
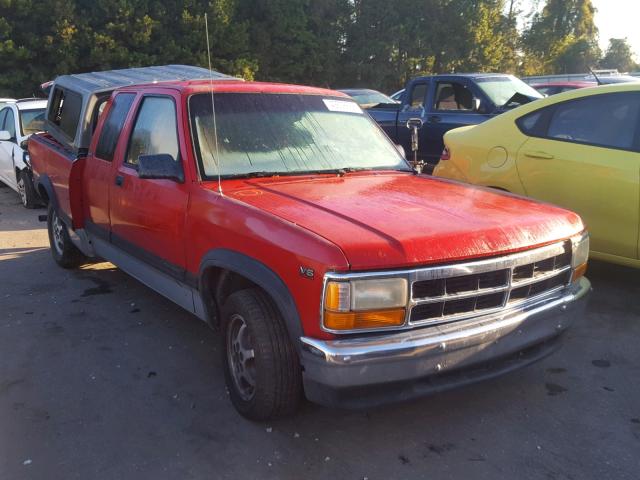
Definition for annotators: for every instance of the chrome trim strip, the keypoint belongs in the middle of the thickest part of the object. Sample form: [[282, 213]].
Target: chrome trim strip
[[456, 270]]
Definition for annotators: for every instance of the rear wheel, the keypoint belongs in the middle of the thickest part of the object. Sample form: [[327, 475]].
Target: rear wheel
[[27, 191], [262, 368], [64, 252]]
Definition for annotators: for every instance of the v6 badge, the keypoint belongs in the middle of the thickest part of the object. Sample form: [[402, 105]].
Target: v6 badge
[[306, 272]]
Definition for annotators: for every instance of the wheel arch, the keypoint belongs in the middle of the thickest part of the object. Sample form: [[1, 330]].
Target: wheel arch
[[224, 271], [44, 188]]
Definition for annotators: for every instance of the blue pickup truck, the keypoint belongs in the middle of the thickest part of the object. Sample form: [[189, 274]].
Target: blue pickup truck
[[444, 102]]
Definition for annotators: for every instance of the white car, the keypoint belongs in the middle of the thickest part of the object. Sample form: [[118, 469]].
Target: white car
[[18, 120]]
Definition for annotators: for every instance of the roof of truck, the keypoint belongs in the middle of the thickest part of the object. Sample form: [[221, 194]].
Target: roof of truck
[[95, 82], [476, 75]]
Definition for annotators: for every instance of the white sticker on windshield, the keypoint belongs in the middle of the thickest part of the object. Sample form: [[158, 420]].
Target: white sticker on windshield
[[345, 106]]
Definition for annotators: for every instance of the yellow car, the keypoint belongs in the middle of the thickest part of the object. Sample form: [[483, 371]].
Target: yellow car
[[579, 150]]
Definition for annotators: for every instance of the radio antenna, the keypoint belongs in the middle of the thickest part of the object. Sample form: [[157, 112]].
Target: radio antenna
[[213, 107]]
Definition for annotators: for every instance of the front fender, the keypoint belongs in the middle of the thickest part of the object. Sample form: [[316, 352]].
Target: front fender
[[264, 277]]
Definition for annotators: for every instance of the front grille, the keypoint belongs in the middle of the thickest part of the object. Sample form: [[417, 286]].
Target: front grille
[[462, 291]]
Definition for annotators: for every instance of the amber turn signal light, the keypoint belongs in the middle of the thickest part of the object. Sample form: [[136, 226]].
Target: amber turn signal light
[[579, 271], [360, 320]]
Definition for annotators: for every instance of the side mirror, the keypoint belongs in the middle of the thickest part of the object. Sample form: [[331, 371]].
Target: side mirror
[[5, 136], [160, 167]]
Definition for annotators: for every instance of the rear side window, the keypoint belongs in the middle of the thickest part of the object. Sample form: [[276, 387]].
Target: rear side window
[[608, 120], [113, 126], [65, 111], [155, 131], [534, 123]]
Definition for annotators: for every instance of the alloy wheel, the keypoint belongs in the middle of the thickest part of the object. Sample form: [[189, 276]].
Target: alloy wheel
[[241, 357]]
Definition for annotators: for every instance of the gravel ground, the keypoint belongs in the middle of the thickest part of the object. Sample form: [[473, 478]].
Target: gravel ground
[[101, 378]]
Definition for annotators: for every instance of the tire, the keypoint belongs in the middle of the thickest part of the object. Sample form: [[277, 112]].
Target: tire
[[64, 252], [28, 194], [261, 366]]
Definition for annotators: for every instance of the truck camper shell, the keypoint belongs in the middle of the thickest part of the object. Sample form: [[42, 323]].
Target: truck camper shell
[[75, 100]]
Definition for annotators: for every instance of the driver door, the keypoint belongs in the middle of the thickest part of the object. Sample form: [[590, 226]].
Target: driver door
[[147, 216]]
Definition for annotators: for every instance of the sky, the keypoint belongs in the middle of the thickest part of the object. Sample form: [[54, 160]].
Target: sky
[[614, 19]]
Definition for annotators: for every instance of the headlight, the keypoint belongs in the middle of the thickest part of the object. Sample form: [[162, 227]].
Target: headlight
[[579, 255], [365, 304]]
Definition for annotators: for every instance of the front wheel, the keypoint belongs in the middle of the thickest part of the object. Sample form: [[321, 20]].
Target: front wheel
[[28, 194], [262, 369], [64, 252]]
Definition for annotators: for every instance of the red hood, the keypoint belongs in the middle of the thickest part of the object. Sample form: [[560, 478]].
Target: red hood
[[388, 220]]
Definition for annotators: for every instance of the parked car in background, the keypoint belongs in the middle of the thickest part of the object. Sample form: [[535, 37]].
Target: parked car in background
[[613, 79], [444, 102], [328, 265], [368, 98], [18, 121], [578, 149], [554, 88]]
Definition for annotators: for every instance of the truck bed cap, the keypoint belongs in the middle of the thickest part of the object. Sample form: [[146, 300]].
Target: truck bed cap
[[95, 82], [86, 88]]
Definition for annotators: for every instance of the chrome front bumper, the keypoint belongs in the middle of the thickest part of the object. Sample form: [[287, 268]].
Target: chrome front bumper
[[369, 370]]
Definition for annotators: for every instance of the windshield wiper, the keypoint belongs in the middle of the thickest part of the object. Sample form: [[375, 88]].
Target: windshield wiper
[[331, 171], [261, 174]]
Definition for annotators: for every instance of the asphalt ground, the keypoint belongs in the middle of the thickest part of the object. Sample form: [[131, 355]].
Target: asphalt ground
[[102, 378]]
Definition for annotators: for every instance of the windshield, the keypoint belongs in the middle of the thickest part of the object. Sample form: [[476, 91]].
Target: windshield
[[287, 134], [32, 121], [507, 90]]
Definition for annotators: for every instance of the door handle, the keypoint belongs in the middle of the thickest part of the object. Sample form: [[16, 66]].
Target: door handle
[[542, 155], [119, 180], [435, 119]]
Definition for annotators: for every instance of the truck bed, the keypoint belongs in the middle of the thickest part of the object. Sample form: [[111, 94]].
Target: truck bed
[[59, 169]]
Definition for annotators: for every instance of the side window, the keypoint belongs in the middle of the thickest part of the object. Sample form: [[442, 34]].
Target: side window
[[608, 120], [418, 95], [10, 123], [155, 130], [65, 111], [3, 115], [113, 126], [453, 96]]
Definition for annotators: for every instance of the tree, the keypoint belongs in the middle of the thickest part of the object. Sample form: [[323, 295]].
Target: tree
[[619, 56], [562, 38], [37, 42]]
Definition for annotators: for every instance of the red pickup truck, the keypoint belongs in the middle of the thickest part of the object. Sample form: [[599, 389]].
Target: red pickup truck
[[284, 216]]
